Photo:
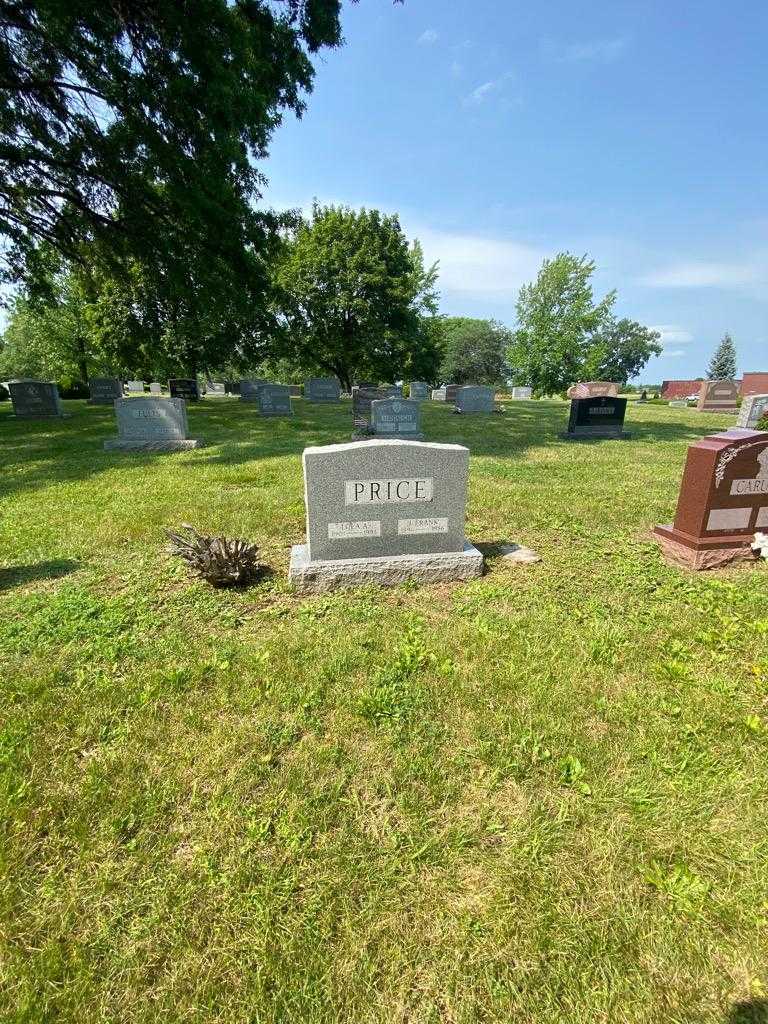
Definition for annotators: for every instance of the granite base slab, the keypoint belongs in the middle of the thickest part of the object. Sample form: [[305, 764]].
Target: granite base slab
[[116, 445], [593, 435], [315, 577], [362, 435], [678, 550]]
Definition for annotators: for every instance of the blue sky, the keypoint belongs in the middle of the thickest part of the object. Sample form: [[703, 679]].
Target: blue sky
[[503, 132]]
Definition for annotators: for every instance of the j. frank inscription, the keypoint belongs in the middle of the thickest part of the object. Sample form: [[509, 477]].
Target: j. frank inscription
[[723, 500], [384, 511]]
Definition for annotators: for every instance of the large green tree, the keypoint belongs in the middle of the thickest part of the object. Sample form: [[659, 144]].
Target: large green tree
[[130, 133], [564, 335], [722, 365], [474, 351], [354, 296]]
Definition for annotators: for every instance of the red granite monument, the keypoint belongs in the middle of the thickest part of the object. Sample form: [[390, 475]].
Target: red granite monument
[[593, 389], [723, 501], [718, 396]]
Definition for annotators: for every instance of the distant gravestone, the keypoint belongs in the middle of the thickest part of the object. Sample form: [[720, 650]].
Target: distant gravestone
[[594, 389], [678, 403], [474, 398], [723, 501], [296, 390], [151, 425], [522, 393], [155, 388], [752, 410], [361, 403], [438, 394], [599, 417], [718, 396], [35, 399], [384, 511], [419, 390], [136, 387], [249, 389], [445, 393], [232, 387], [104, 390], [216, 387], [396, 417], [322, 389], [274, 400], [184, 387]]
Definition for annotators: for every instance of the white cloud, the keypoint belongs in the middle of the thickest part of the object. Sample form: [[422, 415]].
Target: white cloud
[[705, 274], [471, 263], [601, 50], [672, 353], [672, 334], [478, 95], [427, 37]]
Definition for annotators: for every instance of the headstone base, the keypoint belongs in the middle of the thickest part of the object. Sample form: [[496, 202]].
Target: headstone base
[[43, 416], [686, 553], [363, 435], [115, 445], [600, 435], [315, 577]]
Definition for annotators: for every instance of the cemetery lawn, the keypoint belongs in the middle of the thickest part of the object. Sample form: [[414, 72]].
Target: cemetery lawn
[[538, 797]]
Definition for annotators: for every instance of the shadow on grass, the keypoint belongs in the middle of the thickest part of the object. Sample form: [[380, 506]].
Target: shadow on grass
[[16, 575], [750, 1011], [41, 453]]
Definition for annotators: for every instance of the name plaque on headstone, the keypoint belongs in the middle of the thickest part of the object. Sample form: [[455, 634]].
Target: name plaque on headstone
[[384, 511], [723, 500], [104, 390], [35, 399]]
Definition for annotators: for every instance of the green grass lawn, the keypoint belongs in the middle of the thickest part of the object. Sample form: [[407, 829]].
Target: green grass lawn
[[539, 797]]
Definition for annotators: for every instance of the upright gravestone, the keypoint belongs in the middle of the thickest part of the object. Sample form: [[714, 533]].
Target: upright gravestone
[[35, 399], [274, 400], [522, 393], [184, 387], [384, 511], [151, 425], [718, 396], [249, 389], [135, 387], [104, 390], [216, 387], [418, 390], [599, 417], [232, 387], [322, 389], [155, 388], [361, 404], [445, 393], [752, 410], [396, 417], [723, 501], [296, 390], [474, 398]]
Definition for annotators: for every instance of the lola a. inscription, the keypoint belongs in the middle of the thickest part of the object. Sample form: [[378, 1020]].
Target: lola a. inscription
[[385, 492], [351, 531]]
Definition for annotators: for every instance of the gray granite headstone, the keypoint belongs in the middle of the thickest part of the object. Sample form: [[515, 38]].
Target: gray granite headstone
[[215, 387], [474, 398], [753, 408], [249, 389], [384, 511], [155, 388], [35, 399], [322, 389], [361, 402], [274, 400], [438, 394], [104, 390], [419, 390], [522, 393], [184, 387], [136, 387], [151, 424], [297, 390], [396, 417]]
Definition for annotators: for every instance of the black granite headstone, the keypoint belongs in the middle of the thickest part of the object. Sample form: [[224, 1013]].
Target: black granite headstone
[[597, 417], [184, 387]]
